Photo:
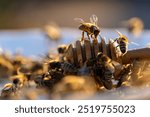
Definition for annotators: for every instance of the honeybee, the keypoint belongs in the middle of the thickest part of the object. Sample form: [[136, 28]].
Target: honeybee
[[52, 31], [8, 90], [90, 28], [55, 65], [62, 49], [68, 68], [19, 80], [122, 43], [43, 80], [101, 58], [135, 26], [49, 78], [105, 70], [125, 74]]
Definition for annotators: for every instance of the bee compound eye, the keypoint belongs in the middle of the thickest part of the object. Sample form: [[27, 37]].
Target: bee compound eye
[[16, 81], [99, 55], [96, 32]]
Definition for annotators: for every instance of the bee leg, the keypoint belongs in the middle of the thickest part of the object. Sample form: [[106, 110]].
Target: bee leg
[[121, 80], [117, 47], [115, 40], [82, 36], [106, 81], [94, 38], [88, 36], [107, 84]]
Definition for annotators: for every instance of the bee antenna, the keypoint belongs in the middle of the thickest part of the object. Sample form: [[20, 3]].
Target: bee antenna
[[119, 33]]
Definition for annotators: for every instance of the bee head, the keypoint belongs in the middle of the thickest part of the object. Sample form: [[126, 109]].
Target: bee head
[[95, 31], [99, 56], [102, 58], [54, 64], [16, 81], [124, 38], [61, 49]]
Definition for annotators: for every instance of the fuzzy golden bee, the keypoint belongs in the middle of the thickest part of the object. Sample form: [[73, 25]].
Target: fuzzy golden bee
[[8, 90], [91, 28], [135, 26], [124, 74], [105, 69], [122, 43]]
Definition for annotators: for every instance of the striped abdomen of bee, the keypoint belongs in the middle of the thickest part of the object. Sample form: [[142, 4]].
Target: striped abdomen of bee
[[68, 68], [123, 47], [107, 75]]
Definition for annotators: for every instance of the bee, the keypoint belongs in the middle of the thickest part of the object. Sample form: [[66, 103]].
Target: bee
[[102, 58], [69, 68], [52, 31], [105, 70], [125, 74], [122, 43], [62, 49], [90, 28], [42, 80], [19, 81], [135, 26], [48, 79], [8, 90], [55, 65]]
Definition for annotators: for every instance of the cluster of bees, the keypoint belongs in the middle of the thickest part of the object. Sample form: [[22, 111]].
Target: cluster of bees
[[102, 62]]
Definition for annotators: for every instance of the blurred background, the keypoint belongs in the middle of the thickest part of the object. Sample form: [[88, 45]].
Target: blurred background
[[23, 22], [35, 13]]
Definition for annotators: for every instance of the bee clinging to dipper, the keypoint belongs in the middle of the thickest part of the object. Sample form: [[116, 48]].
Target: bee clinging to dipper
[[122, 43]]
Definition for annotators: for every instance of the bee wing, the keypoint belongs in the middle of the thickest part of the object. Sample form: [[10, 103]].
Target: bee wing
[[134, 43], [94, 19], [80, 20]]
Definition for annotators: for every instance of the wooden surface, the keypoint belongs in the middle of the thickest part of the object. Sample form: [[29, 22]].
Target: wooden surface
[[143, 53]]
